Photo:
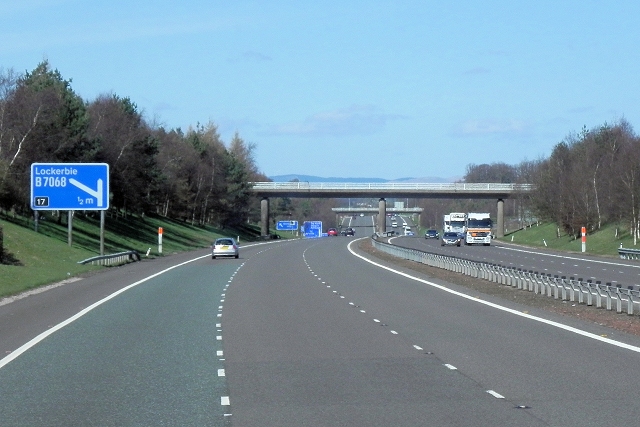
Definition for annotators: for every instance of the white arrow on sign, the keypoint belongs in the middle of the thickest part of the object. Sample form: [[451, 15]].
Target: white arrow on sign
[[97, 194]]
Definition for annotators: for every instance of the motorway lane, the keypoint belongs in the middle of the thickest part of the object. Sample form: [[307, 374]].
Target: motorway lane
[[149, 356], [298, 353], [312, 331], [620, 272], [382, 349]]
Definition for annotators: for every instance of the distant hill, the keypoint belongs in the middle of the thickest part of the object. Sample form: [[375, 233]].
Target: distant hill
[[311, 178]]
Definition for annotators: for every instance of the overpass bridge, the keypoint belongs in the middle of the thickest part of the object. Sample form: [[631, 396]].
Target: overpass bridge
[[415, 190]]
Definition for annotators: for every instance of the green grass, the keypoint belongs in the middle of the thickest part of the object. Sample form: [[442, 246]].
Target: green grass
[[36, 259], [601, 242]]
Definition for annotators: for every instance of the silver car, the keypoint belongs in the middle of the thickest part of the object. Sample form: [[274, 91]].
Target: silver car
[[225, 246]]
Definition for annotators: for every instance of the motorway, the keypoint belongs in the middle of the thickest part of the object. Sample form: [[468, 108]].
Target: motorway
[[307, 332]]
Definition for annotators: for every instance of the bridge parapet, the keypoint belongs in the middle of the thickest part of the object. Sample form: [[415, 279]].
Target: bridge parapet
[[390, 189]]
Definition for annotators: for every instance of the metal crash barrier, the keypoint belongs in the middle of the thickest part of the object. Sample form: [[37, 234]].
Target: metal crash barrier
[[629, 253], [113, 259], [561, 288]]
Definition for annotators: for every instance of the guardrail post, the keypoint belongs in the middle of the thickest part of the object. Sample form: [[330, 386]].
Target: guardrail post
[[630, 302]]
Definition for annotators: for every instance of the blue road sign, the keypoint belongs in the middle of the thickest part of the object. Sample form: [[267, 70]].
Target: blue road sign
[[70, 186], [287, 225], [312, 229]]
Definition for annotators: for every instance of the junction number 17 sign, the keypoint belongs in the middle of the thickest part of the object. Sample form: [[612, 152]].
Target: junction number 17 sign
[[70, 186]]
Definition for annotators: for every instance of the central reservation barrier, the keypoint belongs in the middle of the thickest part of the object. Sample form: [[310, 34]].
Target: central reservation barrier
[[560, 288]]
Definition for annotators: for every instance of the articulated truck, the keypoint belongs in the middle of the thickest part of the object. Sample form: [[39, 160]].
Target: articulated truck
[[478, 229]]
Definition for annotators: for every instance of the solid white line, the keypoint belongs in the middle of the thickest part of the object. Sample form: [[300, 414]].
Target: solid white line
[[567, 257], [494, 394], [499, 307]]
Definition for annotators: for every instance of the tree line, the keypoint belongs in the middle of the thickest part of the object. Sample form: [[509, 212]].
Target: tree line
[[590, 179], [190, 175]]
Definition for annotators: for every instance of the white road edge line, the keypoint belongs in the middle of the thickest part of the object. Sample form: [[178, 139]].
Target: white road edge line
[[497, 306], [495, 394], [506, 248]]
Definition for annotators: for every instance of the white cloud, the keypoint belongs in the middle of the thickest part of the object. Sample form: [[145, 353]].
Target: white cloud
[[354, 120], [485, 127]]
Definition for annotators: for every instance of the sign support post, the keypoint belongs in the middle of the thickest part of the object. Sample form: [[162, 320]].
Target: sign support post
[[70, 227]]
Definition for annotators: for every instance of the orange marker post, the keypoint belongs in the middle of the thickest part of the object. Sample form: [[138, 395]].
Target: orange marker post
[[159, 240], [583, 231]]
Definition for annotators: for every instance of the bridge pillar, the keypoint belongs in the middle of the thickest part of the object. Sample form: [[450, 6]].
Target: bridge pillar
[[500, 224], [264, 216], [382, 216]]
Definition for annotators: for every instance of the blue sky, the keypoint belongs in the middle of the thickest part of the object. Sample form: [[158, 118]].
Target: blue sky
[[349, 88]]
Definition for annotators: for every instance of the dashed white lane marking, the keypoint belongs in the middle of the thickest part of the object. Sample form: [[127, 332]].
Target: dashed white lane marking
[[224, 401], [393, 332], [453, 368], [219, 353], [221, 373], [500, 307], [219, 337], [495, 394], [417, 347]]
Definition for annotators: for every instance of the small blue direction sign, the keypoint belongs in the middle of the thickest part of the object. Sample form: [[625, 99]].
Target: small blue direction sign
[[312, 228], [287, 225], [70, 186]]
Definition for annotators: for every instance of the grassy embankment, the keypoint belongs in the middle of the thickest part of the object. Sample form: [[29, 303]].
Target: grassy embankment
[[602, 242], [36, 259]]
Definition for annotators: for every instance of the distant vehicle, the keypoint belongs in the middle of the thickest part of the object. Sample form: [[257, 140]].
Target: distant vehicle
[[332, 232], [394, 224], [407, 231], [225, 246], [431, 234], [455, 221], [478, 229], [348, 232], [361, 214], [450, 238]]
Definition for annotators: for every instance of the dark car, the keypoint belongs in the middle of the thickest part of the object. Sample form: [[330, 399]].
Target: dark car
[[450, 238], [431, 234], [332, 232], [348, 232]]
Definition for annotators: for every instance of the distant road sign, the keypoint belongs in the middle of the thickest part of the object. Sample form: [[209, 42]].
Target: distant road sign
[[70, 186], [312, 229], [287, 225]]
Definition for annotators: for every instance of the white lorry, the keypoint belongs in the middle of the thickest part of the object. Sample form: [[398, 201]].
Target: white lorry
[[454, 222], [478, 229]]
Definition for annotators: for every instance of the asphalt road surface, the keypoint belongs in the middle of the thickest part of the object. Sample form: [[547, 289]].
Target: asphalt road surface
[[301, 333]]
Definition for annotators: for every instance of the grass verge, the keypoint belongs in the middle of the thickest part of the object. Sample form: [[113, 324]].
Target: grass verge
[[32, 259], [605, 241]]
